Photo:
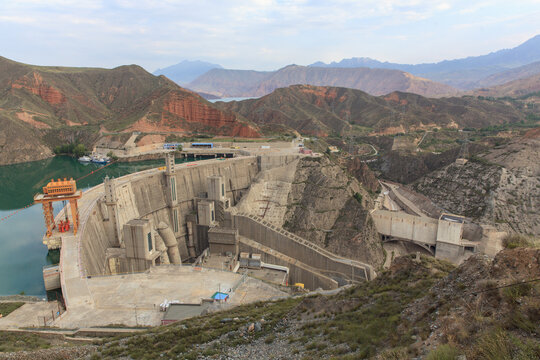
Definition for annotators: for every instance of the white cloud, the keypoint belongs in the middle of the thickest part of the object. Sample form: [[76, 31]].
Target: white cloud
[[263, 33]]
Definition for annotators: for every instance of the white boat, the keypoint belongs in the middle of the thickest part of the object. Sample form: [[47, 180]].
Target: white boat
[[85, 159], [100, 159]]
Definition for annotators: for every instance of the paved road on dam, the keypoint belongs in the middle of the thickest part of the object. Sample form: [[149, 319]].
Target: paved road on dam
[[395, 190]]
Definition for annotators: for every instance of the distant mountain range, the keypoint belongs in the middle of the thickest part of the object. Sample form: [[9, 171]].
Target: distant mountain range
[[325, 110], [44, 106], [444, 78], [518, 73], [41, 107], [525, 87], [186, 71], [466, 73], [247, 83]]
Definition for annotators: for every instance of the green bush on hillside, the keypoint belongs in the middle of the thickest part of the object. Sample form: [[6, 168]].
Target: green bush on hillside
[[71, 149]]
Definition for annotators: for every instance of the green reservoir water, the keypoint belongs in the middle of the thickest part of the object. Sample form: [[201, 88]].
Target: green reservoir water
[[22, 253]]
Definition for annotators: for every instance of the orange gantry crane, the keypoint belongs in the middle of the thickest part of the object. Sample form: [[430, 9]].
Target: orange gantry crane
[[60, 190]]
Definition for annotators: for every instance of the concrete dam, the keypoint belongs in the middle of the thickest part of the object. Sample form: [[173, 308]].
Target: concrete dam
[[175, 211], [177, 233]]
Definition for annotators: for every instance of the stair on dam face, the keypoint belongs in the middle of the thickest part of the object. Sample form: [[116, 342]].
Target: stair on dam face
[[289, 261], [368, 270]]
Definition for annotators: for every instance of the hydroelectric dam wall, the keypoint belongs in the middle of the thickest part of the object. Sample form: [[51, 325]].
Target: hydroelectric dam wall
[[145, 196], [186, 201]]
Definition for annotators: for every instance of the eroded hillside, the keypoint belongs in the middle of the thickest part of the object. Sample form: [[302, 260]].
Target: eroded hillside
[[326, 110], [328, 206], [44, 106], [501, 187]]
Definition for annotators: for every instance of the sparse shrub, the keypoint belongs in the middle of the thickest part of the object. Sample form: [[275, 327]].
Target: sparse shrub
[[519, 320], [443, 352], [393, 354], [513, 241], [96, 356], [111, 155], [494, 346], [512, 293], [9, 307], [270, 339]]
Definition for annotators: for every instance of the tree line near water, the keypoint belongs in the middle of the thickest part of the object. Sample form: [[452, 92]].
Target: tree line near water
[[77, 150]]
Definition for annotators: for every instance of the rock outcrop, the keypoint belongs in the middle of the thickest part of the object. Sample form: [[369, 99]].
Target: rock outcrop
[[34, 84], [363, 173], [501, 188], [330, 208]]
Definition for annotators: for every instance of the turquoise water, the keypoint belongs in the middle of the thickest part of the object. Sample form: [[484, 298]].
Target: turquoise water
[[22, 253]]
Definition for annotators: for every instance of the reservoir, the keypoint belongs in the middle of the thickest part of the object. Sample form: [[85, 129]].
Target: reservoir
[[23, 254]]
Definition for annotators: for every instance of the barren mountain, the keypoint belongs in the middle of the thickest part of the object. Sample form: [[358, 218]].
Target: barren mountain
[[229, 83], [461, 73], [518, 73], [42, 106], [322, 111], [233, 83], [186, 71], [515, 89]]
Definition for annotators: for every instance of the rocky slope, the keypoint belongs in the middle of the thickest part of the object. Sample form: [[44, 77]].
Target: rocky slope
[[515, 89], [363, 174], [38, 103], [419, 308], [406, 167], [324, 110], [239, 83], [501, 187], [330, 208]]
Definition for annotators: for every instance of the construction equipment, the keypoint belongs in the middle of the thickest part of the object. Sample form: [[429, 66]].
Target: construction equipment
[[60, 190]]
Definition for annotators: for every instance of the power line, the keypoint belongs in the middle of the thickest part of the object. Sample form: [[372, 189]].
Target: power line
[[32, 203], [504, 286]]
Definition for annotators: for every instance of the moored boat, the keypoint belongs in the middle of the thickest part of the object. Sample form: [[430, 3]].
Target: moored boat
[[100, 159]]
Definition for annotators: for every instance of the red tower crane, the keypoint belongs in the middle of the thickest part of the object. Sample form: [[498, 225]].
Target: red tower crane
[[60, 190]]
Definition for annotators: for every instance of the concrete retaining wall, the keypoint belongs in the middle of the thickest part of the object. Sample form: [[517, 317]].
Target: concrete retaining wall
[[272, 161], [406, 226], [305, 252], [298, 272]]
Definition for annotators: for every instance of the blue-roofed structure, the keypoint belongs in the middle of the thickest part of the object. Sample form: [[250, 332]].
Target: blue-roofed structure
[[220, 296]]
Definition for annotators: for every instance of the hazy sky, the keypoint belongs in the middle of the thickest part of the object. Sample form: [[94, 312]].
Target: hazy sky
[[258, 34]]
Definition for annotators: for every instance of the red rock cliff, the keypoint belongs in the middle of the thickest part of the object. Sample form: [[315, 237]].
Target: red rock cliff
[[194, 111], [35, 85]]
